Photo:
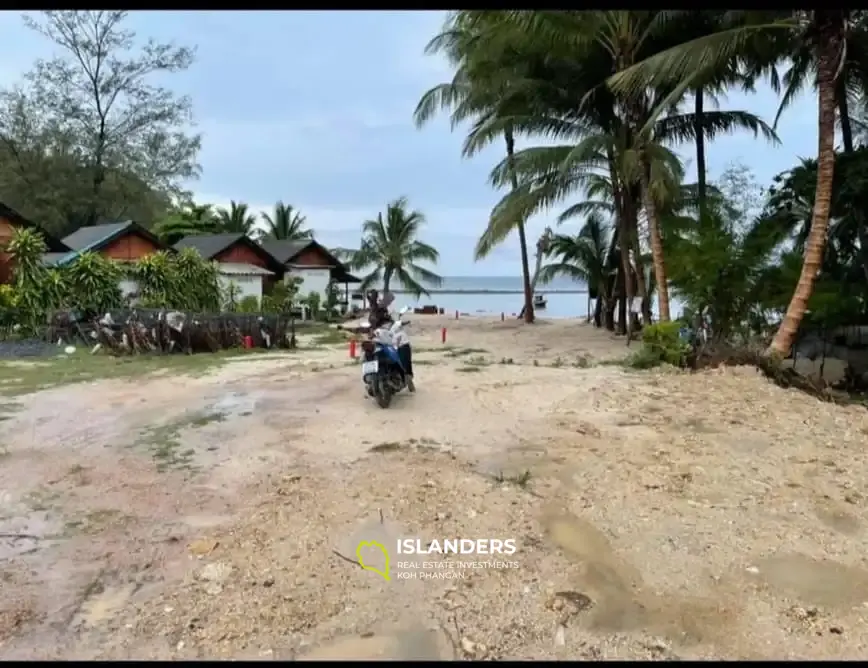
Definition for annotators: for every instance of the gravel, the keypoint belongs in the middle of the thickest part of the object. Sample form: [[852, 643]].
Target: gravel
[[27, 348]]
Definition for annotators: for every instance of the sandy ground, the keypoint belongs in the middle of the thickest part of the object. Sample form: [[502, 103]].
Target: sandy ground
[[657, 515]]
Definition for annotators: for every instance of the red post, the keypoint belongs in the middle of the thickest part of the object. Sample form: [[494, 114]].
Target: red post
[[353, 348], [248, 342], [442, 335]]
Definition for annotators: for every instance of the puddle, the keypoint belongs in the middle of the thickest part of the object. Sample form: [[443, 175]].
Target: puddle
[[822, 583], [103, 605], [838, 519], [616, 588]]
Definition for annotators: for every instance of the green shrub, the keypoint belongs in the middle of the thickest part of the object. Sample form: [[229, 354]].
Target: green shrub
[[312, 301], [661, 344], [182, 281], [248, 304]]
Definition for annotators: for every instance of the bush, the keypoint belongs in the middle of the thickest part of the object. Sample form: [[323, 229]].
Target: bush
[[183, 281], [281, 298], [661, 344], [248, 304], [312, 301]]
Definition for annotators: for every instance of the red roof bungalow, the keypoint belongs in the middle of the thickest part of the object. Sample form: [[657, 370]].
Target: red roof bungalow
[[11, 220], [124, 241]]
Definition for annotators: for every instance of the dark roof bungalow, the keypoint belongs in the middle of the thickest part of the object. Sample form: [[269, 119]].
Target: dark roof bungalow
[[232, 249], [307, 253]]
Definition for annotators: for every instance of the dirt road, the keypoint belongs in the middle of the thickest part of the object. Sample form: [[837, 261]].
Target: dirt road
[[656, 515]]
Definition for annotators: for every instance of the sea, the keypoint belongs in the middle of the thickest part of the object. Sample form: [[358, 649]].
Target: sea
[[493, 295]]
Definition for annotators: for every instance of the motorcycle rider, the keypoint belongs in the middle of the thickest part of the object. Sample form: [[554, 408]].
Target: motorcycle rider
[[380, 317]]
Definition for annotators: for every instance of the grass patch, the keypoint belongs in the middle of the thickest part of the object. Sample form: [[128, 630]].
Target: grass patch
[[463, 352], [469, 369], [208, 418], [391, 446], [520, 479], [95, 521], [165, 445], [424, 444], [82, 367], [41, 499]]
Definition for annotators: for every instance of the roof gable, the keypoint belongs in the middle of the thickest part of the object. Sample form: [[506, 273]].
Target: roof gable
[[95, 237], [287, 251], [210, 246]]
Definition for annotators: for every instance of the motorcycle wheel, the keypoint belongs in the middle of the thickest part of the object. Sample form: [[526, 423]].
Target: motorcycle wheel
[[382, 393]]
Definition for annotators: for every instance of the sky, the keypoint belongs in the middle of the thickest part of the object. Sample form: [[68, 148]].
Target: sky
[[316, 109]]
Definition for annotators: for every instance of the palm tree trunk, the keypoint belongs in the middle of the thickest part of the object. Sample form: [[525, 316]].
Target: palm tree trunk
[[641, 288], [626, 210], [830, 33], [698, 117], [844, 115], [656, 244], [622, 302], [598, 311], [387, 279], [627, 271], [522, 237]]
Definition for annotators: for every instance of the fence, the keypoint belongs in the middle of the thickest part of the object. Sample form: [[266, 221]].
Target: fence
[[132, 331]]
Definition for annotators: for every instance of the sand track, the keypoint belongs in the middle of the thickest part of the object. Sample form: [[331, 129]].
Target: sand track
[[658, 515]]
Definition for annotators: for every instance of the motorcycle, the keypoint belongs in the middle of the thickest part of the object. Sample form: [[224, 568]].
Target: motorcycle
[[383, 369]]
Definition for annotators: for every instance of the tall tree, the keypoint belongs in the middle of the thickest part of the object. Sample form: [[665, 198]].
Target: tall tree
[[390, 245], [98, 95], [236, 219], [43, 177], [286, 224], [482, 89], [825, 33]]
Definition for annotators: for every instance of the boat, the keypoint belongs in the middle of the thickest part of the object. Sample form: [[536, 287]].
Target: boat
[[539, 301]]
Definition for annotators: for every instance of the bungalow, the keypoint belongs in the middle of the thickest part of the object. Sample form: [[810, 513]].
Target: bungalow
[[11, 220], [125, 241], [242, 261], [313, 263]]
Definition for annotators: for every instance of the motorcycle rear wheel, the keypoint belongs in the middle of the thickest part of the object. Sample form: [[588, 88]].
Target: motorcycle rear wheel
[[382, 393]]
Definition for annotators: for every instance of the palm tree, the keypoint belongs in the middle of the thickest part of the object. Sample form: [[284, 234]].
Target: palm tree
[[186, 221], [390, 245], [236, 219], [824, 32], [481, 90], [286, 224], [583, 257], [569, 100]]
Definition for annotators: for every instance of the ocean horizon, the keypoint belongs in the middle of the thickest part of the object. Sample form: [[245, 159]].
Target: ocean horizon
[[494, 285], [493, 295]]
